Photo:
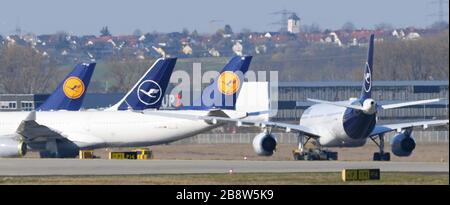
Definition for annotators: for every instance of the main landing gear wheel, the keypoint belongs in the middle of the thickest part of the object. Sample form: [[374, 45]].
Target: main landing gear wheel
[[298, 155], [377, 156], [312, 154], [47, 154], [381, 155]]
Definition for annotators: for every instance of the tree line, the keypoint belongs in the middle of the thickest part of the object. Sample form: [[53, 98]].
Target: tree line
[[25, 70], [423, 59]]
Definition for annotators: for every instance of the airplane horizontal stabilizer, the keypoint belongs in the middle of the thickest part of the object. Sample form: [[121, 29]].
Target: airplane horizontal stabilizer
[[356, 107], [405, 104]]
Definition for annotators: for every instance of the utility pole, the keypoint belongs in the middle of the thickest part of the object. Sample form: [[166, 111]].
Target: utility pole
[[211, 25], [284, 14], [18, 30]]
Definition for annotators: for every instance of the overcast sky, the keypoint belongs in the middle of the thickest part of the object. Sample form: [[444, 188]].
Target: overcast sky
[[123, 17]]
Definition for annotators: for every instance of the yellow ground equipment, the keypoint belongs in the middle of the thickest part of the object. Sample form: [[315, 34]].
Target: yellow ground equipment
[[123, 155], [144, 154], [86, 154], [140, 154], [360, 174]]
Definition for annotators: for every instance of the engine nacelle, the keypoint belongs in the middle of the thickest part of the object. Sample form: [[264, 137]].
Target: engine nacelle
[[369, 106], [264, 144], [12, 147], [402, 144]]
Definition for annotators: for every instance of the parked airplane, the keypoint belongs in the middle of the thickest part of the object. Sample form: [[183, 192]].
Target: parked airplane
[[340, 124], [149, 91], [77, 82], [70, 92], [64, 133]]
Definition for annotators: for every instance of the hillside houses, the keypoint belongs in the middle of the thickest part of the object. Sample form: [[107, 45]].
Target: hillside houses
[[66, 47]]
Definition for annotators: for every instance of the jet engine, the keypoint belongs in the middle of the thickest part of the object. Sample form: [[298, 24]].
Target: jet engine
[[369, 106], [11, 147], [264, 144], [403, 144]]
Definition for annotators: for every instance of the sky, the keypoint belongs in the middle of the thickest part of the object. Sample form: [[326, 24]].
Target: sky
[[81, 17]]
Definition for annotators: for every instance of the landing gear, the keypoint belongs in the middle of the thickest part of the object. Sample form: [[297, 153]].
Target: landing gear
[[312, 154], [47, 154], [51, 149], [381, 155], [377, 156]]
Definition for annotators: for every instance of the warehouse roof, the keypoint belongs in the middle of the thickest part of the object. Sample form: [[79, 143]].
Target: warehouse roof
[[359, 83]]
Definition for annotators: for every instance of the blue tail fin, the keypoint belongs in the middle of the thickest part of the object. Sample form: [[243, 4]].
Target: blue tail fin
[[70, 93], [227, 85], [148, 92], [368, 73]]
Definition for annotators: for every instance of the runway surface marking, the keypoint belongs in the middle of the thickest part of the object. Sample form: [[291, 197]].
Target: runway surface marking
[[35, 167]]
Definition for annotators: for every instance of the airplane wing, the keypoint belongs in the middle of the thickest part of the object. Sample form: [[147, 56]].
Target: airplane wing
[[380, 129], [239, 121], [30, 130], [405, 104]]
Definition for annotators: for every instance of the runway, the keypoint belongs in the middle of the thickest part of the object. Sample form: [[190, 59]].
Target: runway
[[43, 167]]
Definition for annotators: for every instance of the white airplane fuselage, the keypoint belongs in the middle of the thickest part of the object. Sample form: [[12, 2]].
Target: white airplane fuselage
[[328, 122], [97, 129]]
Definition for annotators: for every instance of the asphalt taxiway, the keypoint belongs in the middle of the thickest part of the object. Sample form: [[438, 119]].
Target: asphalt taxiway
[[49, 167]]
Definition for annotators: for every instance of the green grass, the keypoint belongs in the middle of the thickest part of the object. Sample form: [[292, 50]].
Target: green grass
[[236, 178]]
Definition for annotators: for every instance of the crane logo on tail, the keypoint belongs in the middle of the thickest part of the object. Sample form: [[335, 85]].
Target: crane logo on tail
[[73, 87], [228, 83], [367, 78], [149, 92]]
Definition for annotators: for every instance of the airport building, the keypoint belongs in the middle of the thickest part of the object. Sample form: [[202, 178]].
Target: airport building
[[292, 98], [21, 102]]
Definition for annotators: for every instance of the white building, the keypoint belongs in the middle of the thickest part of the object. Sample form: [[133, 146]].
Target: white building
[[214, 52], [293, 24], [333, 38], [187, 50], [238, 48], [413, 36]]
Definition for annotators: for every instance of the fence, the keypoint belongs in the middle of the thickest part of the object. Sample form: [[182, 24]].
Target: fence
[[291, 138]]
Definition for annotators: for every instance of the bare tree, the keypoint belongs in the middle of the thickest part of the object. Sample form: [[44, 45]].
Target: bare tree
[[105, 32], [384, 26], [423, 59], [25, 70], [124, 71], [348, 26]]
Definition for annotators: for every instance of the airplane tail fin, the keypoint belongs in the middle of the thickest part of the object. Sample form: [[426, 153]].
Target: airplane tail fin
[[366, 91], [70, 93], [254, 99], [223, 92], [148, 92]]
